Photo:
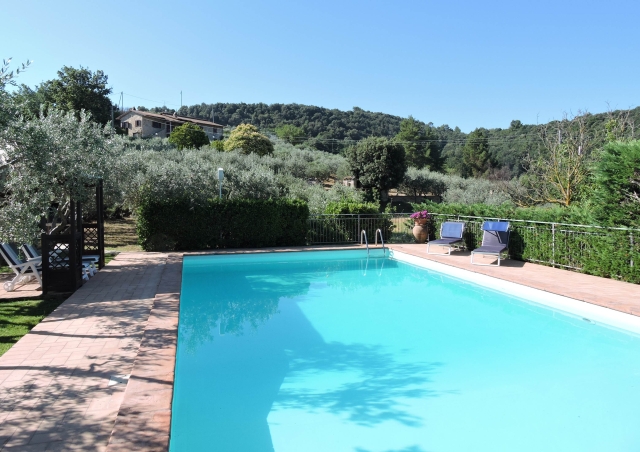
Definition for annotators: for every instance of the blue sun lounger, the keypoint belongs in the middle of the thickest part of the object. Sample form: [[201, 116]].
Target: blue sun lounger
[[495, 240], [450, 236]]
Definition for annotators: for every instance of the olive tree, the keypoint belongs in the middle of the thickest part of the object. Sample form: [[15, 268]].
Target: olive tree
[[49, 161], [422, 182]]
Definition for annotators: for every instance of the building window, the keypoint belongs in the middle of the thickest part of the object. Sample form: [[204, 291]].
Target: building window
[[156, 125], [124, 125], [138, 123]]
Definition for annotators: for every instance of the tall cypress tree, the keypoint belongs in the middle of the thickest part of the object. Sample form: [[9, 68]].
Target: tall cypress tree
[[475, 154]]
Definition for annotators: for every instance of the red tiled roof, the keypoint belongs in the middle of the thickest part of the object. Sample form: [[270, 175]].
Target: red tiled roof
[[167, 117]]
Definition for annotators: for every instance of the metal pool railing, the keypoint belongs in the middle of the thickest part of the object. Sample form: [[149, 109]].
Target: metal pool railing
[[328, 229], [572, 246]]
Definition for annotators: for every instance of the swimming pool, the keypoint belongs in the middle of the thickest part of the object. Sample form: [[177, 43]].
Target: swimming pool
[[334, 351]]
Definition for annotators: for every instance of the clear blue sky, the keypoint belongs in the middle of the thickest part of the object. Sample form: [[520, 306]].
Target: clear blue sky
[[464, 63]]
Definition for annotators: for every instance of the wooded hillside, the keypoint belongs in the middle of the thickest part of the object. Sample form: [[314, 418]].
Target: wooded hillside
[[333, 130]]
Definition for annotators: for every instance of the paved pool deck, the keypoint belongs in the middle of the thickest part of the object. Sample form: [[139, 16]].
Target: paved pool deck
[[97, 374]]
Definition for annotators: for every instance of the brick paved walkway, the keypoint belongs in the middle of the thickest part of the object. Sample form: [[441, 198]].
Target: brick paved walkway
[[23, 291], [62, 385]]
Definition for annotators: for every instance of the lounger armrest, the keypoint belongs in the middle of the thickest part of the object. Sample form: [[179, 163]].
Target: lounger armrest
[[24, 264]]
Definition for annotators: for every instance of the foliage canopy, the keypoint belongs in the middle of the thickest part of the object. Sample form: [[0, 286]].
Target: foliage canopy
[[248, 140], [378, 164], [291, 133], [617, 191], [475, 154], [188, 136], [49, 161], [420, 144], [73, 90]]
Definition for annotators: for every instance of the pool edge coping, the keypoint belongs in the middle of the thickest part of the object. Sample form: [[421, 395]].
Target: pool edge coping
[[144, 416], [603, 315]]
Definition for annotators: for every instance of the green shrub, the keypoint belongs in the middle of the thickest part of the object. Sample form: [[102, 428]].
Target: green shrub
[[576, 214], [188, 136], [351, 207], [615, 172], [178, 224], [218, 145]]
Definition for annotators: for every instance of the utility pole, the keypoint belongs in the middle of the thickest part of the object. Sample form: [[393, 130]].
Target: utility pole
[[113, 121], [180, 99]]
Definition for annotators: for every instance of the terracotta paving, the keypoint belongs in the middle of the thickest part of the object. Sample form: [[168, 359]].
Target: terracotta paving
[[97, 374], [62, 385], [144, 420], [23, 291]]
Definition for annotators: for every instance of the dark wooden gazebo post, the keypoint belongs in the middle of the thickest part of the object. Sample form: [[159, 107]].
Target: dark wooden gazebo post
[[93, 233], [100, 218], [62, 253], [62, 256]]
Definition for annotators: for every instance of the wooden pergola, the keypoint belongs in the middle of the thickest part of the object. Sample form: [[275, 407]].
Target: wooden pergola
[[62, 253]]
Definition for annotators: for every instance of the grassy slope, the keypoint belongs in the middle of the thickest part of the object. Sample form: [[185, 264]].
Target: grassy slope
[[121, 235]]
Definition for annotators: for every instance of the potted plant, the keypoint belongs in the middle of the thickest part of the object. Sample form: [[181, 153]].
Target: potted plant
[[421, 221]]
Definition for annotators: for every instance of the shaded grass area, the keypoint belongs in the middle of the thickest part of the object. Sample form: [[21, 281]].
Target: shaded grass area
[[17, 317], [121, 235]]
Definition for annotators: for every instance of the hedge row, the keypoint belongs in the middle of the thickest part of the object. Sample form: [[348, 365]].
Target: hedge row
[[178, 224], [556, 214]]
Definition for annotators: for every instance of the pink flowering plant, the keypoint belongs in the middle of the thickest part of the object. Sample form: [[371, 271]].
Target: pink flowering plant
[[422, 215]]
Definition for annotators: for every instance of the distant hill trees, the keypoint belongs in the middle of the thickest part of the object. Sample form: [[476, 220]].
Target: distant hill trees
[[333, 130]]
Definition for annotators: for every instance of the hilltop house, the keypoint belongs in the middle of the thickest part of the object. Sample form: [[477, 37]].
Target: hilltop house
[[146, 124]]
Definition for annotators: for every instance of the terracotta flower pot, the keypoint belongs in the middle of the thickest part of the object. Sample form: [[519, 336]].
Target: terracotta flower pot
[[421, 230]]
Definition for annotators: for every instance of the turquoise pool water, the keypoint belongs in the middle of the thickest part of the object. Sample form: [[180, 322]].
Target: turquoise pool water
[[331, 351]]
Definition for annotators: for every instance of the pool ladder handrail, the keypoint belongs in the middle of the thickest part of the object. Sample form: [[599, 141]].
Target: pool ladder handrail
[[381, 240], [363, 232]]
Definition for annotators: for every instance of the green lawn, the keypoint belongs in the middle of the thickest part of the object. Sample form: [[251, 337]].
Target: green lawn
[[121, 235], [18, 317]]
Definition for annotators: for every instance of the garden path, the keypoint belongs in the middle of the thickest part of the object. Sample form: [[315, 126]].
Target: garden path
[[63, 384]]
